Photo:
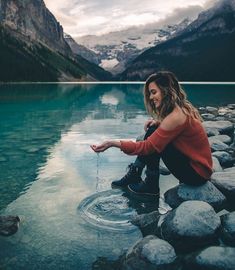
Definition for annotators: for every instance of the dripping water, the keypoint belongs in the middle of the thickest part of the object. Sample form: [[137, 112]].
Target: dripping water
[[97, 171]]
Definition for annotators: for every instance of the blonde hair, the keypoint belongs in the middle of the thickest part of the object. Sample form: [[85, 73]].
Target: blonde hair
[[172, 95]]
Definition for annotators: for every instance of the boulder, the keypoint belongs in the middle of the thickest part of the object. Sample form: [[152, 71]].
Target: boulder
[[224, 127], [217, 145], [225, 159], [9, 225], [216, 165], [212, 110], [223, 138], [207, 193], [191, 225], [228, 228], [150, 253], [225, 182], [211, 131], [211, 258], [231, 169], [208, 116], [231, 106]]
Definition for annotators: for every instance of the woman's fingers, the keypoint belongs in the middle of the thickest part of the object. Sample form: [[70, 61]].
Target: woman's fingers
[[100, 148]]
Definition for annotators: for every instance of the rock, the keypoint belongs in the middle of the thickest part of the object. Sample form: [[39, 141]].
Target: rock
[[231, 169], [208, 116], [223, 138], [216, 165], [225, 182], [212, 110], [147, 222], [191, 225], [207, 193], [217, 145], [225, 159], [9, 225], [224, 127], [150, 253], [228, 229], [211, 258], [211, 132], [231, 106], [163, 169]]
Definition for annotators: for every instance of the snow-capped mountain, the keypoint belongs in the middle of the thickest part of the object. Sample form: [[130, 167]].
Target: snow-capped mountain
[[117, 49]]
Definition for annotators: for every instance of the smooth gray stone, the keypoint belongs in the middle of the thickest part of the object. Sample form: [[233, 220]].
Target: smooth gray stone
[[231, 106], [150, 253], [208, 116], [223, 138], [211, 258], [211, 132], [231, 169], [228, 228], [191, 225], [207, 193], [212, 110], [216, 165], [225, 159], [224, 127], [217, 145], [9, 225], [225, 182]]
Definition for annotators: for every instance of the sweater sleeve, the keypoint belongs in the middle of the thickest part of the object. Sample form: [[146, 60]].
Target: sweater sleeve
[[156, 142]]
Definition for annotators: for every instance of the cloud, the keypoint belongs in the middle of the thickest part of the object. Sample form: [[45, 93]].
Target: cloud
[[82, 17]]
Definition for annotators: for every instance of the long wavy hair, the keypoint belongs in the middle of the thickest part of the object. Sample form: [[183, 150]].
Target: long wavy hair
[[172, 95]]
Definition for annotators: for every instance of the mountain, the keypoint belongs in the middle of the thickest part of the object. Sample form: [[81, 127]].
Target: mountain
[[33, 48], [203, 51], [82, 50], [116, 49]]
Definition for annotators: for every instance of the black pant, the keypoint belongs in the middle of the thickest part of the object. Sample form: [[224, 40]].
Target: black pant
[[177, 163]]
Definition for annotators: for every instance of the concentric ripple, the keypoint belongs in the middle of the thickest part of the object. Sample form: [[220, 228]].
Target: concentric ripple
[[109, 210]]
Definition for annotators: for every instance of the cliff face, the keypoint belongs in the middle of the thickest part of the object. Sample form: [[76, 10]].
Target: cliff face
[[201, 52], [32, 19]]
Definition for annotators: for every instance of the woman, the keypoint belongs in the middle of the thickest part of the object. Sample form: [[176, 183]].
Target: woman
[[176, 135]]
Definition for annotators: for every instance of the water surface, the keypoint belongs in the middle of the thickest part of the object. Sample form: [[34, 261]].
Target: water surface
[[58, 186]]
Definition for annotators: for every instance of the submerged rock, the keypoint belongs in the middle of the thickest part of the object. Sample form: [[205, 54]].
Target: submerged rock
[[150, 253], [9, 225], [216, 258], [207, 193], [191, 225], [228, 229]]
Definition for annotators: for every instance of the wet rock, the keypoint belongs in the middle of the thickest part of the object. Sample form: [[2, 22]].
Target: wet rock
[[211, 258], [191, 225], [228, 229], [207, 193], [231, 106], [216, 165], [9, 225], [224, 127], [217, 145], [147, 223], [150, 253], [225, 182], [225, 159]]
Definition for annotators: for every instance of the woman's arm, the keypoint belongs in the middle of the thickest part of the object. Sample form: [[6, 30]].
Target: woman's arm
[[105, 145]]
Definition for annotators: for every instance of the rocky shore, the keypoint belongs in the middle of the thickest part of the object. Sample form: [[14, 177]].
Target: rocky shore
[[199, 231]]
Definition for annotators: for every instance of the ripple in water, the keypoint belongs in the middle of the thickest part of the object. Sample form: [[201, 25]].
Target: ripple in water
[[109, 210]]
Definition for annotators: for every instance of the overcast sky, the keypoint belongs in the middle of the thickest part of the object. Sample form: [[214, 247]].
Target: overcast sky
[[95, 17]]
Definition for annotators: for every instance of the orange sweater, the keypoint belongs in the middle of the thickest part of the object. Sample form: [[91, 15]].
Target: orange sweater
[[190, 138]]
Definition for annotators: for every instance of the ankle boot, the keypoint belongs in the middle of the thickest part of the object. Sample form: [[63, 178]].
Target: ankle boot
[[150, 186], [133, 176]]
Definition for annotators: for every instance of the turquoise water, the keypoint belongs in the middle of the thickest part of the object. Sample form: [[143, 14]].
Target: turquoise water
[[58, 186]]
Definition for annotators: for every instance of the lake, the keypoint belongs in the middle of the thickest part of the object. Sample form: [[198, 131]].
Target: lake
[[60, 189]]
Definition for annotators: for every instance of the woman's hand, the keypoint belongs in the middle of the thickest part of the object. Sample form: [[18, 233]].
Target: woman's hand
[[105, 145], [149, 123]]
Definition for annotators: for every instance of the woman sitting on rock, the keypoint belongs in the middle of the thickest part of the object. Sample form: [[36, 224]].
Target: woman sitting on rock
[[176, 135]]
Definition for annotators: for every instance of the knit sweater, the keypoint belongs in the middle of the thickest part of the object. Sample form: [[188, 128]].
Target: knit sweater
[[190, 138]]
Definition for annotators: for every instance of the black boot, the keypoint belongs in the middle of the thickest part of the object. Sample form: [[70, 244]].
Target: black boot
[[150, 186], [132, 176]]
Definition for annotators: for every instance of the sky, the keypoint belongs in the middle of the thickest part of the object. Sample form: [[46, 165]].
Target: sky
[[97, 17]]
